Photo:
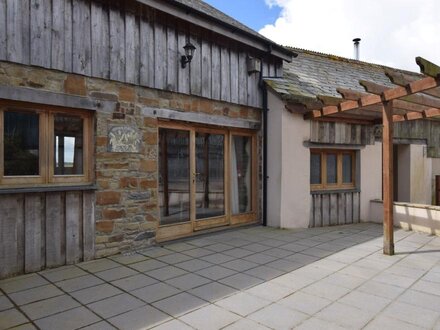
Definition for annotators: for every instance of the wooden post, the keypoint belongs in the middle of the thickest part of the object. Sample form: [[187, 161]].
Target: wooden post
[[387, 177]]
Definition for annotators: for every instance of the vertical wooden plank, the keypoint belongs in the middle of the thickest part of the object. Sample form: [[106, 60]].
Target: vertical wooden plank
[[216, 72], [234, 76], [41, 27], [11, 235], [356, 208], [195, 68], [172, 57], [131, 44], [73, 227], [146, 48], [182, 73], [206, 69], [100, 40], [341, 208], [318, 210], [333, 209], [272, 72], [225, 74], [348, 208], [68, 38], [117, 41], [55, 230], [279, 69], [160, 53], [82, 47], [57, 38], [18, 31], [34, 232], [252, 89], [3, 30], [242, 78], [88, 225], [325, 210]]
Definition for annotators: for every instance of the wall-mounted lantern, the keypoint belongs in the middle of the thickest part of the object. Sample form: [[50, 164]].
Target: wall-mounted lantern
[[189, 53]]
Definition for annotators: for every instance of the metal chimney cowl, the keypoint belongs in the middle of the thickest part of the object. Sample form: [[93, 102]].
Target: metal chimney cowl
[[356, 48]]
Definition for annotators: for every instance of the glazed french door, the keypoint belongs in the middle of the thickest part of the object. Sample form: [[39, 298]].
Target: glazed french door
[[198, 176]]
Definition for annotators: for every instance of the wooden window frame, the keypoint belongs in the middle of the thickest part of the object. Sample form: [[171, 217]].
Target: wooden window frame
[[46, 147], [339, 185]]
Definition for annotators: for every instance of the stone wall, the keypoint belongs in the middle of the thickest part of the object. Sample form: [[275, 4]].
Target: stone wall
[[127, 195]]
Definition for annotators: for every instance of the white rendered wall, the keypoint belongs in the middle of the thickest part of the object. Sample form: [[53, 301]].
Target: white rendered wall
[[295, 184], [403, 172], [371, 177], [421, 175], [288, 190]]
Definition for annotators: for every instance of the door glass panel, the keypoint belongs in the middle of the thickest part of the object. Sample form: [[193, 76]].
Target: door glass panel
[[332, 171], [241, 176], [21, 143], [210, 191], [174, 176]]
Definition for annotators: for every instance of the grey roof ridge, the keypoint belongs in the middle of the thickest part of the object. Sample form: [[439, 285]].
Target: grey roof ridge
[[349, 60]]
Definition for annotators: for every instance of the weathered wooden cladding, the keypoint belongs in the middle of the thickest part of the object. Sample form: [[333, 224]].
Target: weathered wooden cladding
[[341, 133], [428, 130], [43, 230], [129, 42], [335, 208]]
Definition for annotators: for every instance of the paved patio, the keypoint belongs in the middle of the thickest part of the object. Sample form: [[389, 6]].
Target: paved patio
[[251, 278]]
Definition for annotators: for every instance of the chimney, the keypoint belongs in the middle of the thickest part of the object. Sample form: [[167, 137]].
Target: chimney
[[356, 48]]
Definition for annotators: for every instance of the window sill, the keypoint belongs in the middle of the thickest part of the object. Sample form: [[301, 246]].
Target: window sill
[[335, 191], [44, 189]]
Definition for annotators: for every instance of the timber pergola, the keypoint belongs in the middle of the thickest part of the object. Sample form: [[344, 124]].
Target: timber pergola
[[412, 98]]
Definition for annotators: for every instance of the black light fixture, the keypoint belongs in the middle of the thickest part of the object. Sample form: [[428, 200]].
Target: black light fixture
[[189, 53]]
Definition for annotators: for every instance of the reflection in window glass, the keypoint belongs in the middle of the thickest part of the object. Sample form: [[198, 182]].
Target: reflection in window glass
[[68, 133], [21, 143], [332, 170], [315, 169], [347, 166], [241, 174], [174, 192]]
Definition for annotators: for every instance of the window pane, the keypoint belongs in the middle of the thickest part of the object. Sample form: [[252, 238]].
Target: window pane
[[347, 166], [21, 143], [68, 133], [210, 187], [315, 168], [332, 170], [241, 174], [174, 192]]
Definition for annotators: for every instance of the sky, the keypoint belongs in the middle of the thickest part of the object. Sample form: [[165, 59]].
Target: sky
[[393, 32]]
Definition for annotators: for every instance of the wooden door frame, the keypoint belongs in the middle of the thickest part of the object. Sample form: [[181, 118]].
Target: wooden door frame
[[174, 231]]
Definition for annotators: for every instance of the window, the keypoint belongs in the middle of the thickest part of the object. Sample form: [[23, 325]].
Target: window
[[39, 146], [332, 169]]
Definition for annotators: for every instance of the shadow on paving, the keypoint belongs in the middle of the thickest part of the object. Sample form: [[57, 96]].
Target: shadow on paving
[[245, 277]]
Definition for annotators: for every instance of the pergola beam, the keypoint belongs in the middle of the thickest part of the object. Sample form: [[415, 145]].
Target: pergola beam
[[428, 68], [403, 79]]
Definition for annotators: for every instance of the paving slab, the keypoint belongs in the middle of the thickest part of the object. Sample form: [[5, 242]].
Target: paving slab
[[180, 304], [241, 281], [134, 282], [141, 318], [23, 282], [50, 306], [216, 272], [245, 324], [165, 273], [62, 273], [188, 281], [115, 305], [278, 317], [95, 293], [11, 318], [415, 315], [173, 325], [210, 317], [99, 265], [35, 294], [5, 303], [79, 283], [212, 291], [71, 319], [155, 292], [345, 315], [116, 273], [305, 303], [243, 303]]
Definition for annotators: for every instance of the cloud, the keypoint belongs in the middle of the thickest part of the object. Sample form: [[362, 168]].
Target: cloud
[[393, 32]]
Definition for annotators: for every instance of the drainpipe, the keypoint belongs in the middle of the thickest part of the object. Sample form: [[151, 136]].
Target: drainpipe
[[265, 135]]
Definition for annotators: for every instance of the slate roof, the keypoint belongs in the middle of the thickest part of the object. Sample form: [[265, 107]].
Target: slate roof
[[313, 73], [205, 9]]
